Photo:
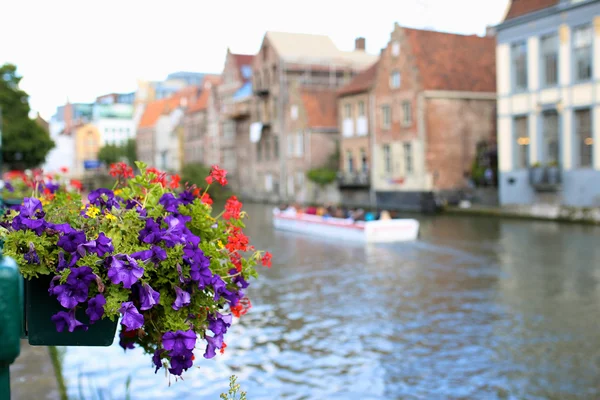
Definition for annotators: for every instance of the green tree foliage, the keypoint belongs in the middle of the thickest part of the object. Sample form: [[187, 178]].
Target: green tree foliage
[[111, 153], [322, 176], [25, 144], [195, 174]]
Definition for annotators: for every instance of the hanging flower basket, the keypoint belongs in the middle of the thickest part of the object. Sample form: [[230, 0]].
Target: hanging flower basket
[[147, 253]]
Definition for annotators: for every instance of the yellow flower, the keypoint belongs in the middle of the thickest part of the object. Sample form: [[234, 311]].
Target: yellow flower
[[92, 212], [118, 192], [220, 244], [110, 217]]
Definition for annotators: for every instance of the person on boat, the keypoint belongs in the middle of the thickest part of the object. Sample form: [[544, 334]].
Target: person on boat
[[385, 215], [290, 210], [311, 210], [358, 215], [369, 216]]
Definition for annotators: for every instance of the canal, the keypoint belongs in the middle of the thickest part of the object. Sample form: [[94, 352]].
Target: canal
[[477, 308]]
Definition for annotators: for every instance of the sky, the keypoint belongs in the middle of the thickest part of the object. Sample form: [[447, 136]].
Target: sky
[[81, 49]]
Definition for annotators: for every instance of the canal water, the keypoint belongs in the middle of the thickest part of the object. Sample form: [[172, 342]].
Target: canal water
[[476, 309]]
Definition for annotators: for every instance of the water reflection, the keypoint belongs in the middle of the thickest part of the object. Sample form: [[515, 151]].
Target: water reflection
[[478, 308]]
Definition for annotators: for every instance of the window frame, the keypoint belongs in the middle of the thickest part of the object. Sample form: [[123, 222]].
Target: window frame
[[386, 125], [387, 159], [515, 138], [543, 63], [513, 67], [393, 84], [577, 138], [407, 121], [574, 60], [409, 167]]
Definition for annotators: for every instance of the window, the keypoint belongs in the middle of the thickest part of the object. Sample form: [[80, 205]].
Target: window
[[274, 107], [258, 151], [364, 166], [290, 143], [582, 46], [386, 115], [583, 130], [361, 108], [521, 143], [549, 50], [300, 178], [267, 149], [550, 132], [395, 80], [519, 65], [349, 161], [395, 49], [408, 162], [276, 147], [387, 159], [348, 111], [300, 144], [406, 113]]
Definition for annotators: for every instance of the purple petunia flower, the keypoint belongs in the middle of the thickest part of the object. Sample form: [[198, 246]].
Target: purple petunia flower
[[218, 323], [182, 298], [124, 269], [238, 279], [132, 319], [64, 319], [31, 207], [63, 228], [156, 254], [174, 235], [212, 343], [186, 197], [70, 295], [71, 240], [83, 275], [95, 308], [103, 198], [52, 187], [31, 256], [179, 342], [156, 359], [169, 202], [63, 263], [181, 362], [151, 233], [219, 287], [125, 342], [100, 246], [148, 297], [201, 274]]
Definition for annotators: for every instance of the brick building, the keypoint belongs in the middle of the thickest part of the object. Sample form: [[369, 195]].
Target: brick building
[[289, 62], [235, 94], [356, 109], [435, 97]]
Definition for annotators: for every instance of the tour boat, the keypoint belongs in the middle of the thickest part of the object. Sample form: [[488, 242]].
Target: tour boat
[[379, 231]]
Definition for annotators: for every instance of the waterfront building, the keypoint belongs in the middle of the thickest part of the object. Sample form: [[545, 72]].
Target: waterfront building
[[435, 109], [548, 63]]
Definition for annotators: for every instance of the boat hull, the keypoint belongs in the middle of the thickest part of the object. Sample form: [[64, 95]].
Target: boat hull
[[387, 231]]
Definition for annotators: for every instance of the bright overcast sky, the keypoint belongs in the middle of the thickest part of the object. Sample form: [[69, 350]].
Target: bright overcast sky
[[81, 49]]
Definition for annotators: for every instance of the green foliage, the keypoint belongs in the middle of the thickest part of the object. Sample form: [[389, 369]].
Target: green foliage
[[234, 391], [25, 144], [111, 153], [322, 176], [194, 174]]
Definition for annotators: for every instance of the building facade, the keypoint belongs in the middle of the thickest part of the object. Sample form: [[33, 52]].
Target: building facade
[[435, 105], [548, 63], [284, 62], [88, 141], [356, 110]]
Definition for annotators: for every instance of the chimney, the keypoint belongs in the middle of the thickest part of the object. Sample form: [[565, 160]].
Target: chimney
[[359, 44], [490, 31]]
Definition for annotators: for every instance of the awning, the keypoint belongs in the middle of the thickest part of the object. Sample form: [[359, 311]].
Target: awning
[[255, 132]]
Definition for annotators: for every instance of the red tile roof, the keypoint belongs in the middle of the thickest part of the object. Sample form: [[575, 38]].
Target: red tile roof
[[241, 60], [153, 111], [448, 61], [202, 101], [522, 7], [320, 107], [361, 82]]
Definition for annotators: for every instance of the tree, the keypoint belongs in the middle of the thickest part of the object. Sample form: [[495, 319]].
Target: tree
[[25, 144], [111, 153]]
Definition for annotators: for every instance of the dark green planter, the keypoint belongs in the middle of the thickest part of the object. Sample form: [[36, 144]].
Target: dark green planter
[[41, 331], [12, 202]]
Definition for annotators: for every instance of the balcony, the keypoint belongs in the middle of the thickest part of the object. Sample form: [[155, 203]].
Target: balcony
[[262, 90], [353, 179], [545, 178], [238, 110]]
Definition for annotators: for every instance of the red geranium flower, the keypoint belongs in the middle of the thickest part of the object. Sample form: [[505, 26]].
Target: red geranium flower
[[205, 198], [217, 174], [64, 170], [121, 169], [161, 177], [233, 207], [174, 184], [242, 307], [223, 347], [237, 240], [77, 184], [266, 259]]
